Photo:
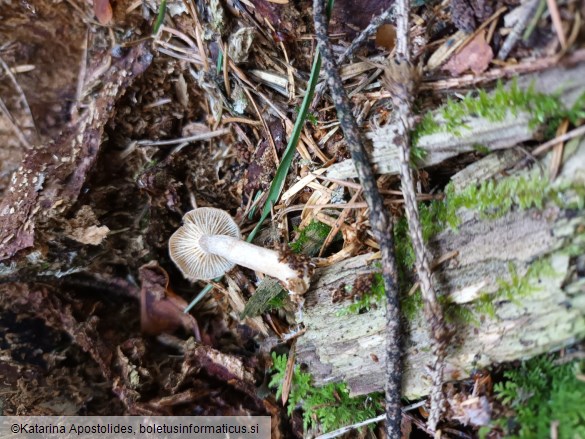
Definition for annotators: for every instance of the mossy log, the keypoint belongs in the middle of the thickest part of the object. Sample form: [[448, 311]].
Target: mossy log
[[535, 256], [488, 133]]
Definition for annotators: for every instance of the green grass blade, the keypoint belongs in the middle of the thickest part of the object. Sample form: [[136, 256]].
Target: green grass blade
[[160, 17], [282, 171], [287, 157]]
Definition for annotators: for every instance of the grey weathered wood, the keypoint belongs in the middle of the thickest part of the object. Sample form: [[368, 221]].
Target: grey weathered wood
[[351, 348]]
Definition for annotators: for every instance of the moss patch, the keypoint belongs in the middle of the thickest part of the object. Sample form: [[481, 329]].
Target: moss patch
[[512, 290], [495, 107], [541, 393], [367, 299], [310, 238], [330, 406], [492, 199]]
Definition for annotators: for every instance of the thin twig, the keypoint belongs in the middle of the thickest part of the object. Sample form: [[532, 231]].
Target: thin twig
[[380, 222], [555, 16], [194, 138], [570, 135], [343, 430], [370, 30], [534, 20], [364, 35], [80, 79], [400, 79], [358, 205], [12, 122]]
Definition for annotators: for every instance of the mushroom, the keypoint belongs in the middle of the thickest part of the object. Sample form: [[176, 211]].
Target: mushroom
[[209, 243]]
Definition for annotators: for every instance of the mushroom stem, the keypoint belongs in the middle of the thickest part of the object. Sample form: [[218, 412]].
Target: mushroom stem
[[255, 258]]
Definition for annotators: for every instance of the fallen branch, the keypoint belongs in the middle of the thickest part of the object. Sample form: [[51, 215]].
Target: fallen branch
[[399, 78], [380, 222], [51, 176]]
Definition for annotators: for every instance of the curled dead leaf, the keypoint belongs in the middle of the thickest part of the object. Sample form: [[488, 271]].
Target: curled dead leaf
[[85, 228], [161, 310], [386, 37], [103, 11]]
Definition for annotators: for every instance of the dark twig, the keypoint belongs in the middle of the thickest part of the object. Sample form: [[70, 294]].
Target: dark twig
[[400, 79], [380, 221], [364, 35]]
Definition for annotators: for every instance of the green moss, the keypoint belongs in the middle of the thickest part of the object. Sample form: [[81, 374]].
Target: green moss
[[311, 238], [330, 406], [412, 305], [492, 199], [495, 106], [277, 301], [432, 219], [512, 289], [484, 305], [427, 125], [521, 286], [495, 198], [482, 149], [541, 393], [270, 295], [417, 155], [370, 298]]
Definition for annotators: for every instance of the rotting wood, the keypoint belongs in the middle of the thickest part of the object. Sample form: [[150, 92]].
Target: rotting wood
[[514, 129], [351, 348]]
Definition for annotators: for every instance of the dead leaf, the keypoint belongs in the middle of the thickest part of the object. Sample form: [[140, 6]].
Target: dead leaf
[[405, 427], [475, 56], [386, 37], [103, 11], [476, 411], [161, 310], [240, 43], [85, 228]]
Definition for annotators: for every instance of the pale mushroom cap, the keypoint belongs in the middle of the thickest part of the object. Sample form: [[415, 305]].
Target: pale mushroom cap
[[184, 249]]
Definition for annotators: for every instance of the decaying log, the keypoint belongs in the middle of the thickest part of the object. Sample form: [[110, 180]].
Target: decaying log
[[492, 135], [552, 315]]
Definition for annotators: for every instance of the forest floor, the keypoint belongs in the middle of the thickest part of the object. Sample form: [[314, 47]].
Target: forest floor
[[118, 117]]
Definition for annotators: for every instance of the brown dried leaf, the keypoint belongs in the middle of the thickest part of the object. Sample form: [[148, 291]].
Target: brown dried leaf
[[161, 310], [84, 227], [475, 56], [227, 368], [103, 11], [406, 427], [386, 37]]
